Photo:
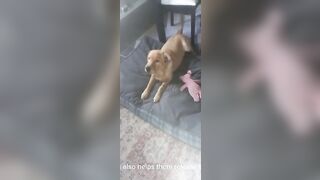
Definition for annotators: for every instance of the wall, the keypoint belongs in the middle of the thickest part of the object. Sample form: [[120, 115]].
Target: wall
[[133, 25]]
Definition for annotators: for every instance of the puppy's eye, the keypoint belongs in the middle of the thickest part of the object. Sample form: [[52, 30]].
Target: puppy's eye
[[157, 61]]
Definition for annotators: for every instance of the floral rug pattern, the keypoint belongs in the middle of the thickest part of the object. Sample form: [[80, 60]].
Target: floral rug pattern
[[148, 153]]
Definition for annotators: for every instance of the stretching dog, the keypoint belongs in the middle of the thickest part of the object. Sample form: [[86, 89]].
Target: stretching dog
[[162, 63]]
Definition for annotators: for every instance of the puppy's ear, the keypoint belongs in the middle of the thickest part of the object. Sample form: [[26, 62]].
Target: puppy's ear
[[149, 53], [167, 57]]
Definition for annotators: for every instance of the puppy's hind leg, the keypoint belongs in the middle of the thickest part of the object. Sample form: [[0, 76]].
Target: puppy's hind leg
[[160, 91], [149, 87], [186, 45]]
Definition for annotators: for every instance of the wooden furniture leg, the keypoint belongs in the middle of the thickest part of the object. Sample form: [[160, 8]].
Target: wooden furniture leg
[[160, 25], [193, 26], [172, 18]]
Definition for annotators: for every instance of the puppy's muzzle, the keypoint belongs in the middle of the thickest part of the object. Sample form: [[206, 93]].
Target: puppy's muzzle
[[147, 69]]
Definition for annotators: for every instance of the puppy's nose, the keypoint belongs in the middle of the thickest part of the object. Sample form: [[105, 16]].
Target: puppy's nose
[[147, 69]]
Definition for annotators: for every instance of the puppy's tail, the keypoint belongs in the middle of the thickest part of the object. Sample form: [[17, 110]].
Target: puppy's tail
[[180, 31]]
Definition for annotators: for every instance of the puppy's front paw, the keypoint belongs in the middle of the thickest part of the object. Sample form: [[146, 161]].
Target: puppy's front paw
[[144, 95], [156, 98]]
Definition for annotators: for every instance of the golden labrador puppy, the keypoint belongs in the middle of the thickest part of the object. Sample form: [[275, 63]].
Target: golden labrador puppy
[[162, 63]]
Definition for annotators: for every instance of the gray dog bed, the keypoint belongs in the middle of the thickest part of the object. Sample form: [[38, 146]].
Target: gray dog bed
[[176, 113]]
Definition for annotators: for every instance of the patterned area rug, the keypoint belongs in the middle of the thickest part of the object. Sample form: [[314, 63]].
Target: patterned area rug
[[148, 153]]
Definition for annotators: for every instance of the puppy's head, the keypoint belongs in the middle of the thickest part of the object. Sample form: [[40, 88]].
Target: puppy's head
[[157, 62]]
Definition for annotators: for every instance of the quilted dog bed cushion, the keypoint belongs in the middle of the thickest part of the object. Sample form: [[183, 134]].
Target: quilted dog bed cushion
[[176, 113]]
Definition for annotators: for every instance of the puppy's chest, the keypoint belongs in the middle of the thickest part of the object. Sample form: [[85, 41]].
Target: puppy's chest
[[165, 77]]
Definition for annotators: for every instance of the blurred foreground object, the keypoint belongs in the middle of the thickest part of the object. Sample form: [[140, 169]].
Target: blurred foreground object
[[16, 169], [51, 52], [104, 94], [291, 85]]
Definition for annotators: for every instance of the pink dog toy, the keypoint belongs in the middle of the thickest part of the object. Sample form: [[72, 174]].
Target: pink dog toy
[[193, 88]]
